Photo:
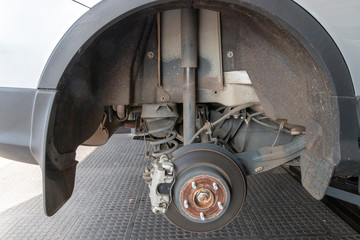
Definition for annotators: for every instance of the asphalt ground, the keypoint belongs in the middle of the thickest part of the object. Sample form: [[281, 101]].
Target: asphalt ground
[[110, 201]]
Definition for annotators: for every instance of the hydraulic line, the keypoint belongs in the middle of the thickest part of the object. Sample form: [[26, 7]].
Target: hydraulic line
[[189, 51]]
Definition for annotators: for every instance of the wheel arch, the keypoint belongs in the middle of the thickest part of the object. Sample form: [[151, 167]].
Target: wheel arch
[[289, 15]]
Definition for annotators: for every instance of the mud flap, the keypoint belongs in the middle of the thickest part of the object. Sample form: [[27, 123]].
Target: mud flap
[[59, 179], [315, 174], [58, 188]]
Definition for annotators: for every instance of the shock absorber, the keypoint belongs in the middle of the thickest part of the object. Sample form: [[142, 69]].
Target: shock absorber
[[189, 51]]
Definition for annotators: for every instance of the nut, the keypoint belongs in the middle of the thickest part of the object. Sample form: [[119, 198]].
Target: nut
[[150, 55]]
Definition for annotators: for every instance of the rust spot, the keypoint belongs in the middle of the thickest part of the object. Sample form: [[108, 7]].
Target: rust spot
[[204, 198]]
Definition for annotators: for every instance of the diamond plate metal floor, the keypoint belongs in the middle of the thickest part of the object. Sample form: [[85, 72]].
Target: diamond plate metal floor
[[110, 202]]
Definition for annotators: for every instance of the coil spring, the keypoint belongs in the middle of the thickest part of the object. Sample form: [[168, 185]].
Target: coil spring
[[169, 140]]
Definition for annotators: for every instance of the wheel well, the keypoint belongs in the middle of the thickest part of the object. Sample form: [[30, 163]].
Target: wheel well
[[279, 66], [290, 71]]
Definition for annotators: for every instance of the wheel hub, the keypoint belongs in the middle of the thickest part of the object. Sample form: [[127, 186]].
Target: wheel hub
[[203, 197]]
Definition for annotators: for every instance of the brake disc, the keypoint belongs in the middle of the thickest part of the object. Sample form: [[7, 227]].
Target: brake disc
[[210, 188]]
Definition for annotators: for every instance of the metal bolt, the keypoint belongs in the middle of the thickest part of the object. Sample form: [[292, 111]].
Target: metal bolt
[[220, 205], [202, 216], [193, 184], [157, 210], [150, 54], [295, 131], [163, 158], [215, 186], [236, 115], [186, 204], [229, 54], [163, 98]]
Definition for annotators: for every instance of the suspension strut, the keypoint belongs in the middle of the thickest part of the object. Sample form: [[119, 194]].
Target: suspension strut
[[189, 49]]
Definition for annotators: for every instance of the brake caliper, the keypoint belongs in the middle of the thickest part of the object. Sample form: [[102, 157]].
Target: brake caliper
[[160, 179]]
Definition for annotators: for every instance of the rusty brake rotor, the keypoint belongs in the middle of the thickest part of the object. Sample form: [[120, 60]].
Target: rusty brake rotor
[[210, 188]]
